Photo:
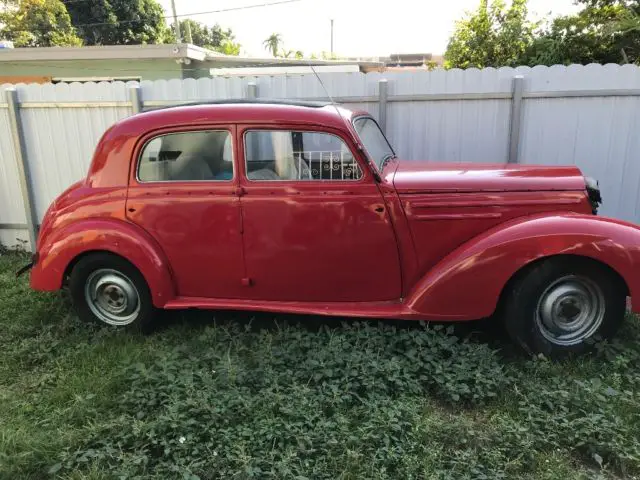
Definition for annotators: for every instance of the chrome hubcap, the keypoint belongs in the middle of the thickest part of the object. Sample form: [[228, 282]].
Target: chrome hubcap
[[112, 297], [570, 310]]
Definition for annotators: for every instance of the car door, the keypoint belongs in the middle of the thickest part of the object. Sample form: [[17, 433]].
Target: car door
[[315, 224], [182, 191]]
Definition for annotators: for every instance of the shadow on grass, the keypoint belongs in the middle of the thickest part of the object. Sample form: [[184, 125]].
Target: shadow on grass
[[488, 330]]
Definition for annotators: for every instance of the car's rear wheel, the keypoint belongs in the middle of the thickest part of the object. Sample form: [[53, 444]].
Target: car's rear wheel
[[108, 289], [563, 305]]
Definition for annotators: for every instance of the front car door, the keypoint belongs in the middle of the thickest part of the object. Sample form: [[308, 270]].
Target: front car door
[[182, 191], [315, 225]]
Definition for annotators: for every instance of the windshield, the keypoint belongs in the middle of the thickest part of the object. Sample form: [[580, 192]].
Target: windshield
[[373, 140]]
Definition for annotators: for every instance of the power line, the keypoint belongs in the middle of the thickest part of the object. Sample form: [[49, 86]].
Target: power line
[[245, 7]]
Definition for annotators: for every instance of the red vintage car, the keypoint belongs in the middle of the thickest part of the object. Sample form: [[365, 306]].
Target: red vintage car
[[304, 208]]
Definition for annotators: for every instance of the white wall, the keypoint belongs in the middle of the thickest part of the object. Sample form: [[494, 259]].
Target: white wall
[[592, 120]]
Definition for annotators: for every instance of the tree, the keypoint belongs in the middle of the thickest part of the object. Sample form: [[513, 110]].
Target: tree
[[633, 4], [298, 54], [273, 44], [492, 36], [214, 38], [229, 47], [38, 23], [119, 22], [604, 31]]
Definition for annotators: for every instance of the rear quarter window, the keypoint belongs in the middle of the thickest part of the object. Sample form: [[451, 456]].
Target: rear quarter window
[[187, 156]]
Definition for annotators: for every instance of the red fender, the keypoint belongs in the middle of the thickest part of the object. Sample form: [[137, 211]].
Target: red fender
[[62, 245], [467, 283]]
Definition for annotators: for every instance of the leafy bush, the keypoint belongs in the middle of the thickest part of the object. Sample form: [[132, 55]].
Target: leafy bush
[[355, 401], [288, 405], [285, 400]]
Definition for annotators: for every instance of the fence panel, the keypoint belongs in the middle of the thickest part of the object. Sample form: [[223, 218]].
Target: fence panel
[[448, 129], [599, 134], [12, 213], [61, 138], [583, 115]]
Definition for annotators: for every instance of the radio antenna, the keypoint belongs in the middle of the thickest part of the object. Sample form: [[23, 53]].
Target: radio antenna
[[323, 86], [349, 127]]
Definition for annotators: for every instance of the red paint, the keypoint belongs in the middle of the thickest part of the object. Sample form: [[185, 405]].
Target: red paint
[[296, 234], [199, 227], [422, 177], [467, 282], [427, 241]]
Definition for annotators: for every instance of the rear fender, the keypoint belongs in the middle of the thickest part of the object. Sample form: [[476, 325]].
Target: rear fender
[[62, 246], [467, 283]]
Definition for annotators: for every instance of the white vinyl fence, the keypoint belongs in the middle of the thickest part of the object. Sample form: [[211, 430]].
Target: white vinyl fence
[[583, 115]]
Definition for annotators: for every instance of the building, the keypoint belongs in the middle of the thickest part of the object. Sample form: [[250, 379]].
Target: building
[[412, 60], [403, 61], [135, 62]]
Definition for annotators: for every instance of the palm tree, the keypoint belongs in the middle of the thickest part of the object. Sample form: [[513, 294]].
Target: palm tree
[[273, 43]]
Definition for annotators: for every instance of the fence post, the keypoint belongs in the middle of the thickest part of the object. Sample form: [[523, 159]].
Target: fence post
[[252, 94], [19, 146], [252, 90], [383, 93], [135, 98], [516, 118]]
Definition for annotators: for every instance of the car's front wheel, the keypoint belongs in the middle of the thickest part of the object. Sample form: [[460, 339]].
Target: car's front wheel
[[562, 305], [108, 289]]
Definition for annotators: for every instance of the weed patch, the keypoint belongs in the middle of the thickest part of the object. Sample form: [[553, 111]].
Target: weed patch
[[277, 399]]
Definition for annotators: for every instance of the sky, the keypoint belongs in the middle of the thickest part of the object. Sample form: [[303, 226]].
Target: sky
[[361, 27]]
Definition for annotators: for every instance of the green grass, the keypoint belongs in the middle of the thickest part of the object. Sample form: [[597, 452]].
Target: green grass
[[232, 396]]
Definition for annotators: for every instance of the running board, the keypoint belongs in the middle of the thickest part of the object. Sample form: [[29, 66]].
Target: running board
[[392, 310]]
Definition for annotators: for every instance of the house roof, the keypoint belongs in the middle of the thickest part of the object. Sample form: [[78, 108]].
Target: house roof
[[183, 52], [106, 52]]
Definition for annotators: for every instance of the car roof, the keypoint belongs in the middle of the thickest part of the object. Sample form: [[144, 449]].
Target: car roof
[[250, 101], [242, 111]]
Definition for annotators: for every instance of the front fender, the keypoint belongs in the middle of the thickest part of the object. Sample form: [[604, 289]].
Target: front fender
[[61, 246], [467, 283]]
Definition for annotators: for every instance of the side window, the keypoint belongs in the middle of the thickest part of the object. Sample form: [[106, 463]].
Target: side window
[[291, 155], [187, 156]]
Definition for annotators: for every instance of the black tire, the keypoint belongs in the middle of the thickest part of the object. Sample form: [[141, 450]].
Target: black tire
[[542, 294], [106, 266]]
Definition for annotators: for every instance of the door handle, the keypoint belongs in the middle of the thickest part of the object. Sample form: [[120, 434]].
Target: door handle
[[240, 191], [379, 209]]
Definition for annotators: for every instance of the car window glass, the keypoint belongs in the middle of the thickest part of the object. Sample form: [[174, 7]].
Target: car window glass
[[294, 155], [373, 140], [187, 156], [227, 153]]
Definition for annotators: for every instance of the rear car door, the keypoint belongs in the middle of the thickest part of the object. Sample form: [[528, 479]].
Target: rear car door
[[182, 191], [315, 224]]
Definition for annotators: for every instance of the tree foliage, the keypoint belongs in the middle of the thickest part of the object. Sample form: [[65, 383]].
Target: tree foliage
[[119, 22], [229, 47], [493, 36], [603, 31], [213, 38], [298, 54], [581, 38], [37, 23], [273, 44]]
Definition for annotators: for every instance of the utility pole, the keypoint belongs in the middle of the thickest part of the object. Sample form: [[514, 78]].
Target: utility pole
[[187, 33], [332, 37], [175, 22]]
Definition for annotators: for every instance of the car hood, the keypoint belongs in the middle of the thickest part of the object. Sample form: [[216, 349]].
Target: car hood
[[417, 177]]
